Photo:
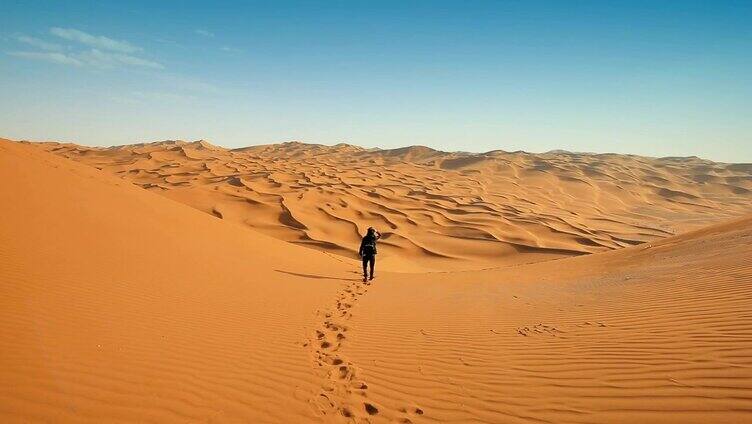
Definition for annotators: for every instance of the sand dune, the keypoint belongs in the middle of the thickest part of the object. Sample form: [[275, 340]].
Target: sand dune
[[184, 301], [436, 209], [121, 305], [657, 333]]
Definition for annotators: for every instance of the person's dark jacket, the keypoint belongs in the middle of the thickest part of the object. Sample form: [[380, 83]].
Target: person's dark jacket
[[368, 245]]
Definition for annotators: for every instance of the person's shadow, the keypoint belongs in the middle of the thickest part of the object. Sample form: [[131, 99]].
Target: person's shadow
[[317, 277]]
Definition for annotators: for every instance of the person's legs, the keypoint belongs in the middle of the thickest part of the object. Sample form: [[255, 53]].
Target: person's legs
[[372, 260], [365, 267]]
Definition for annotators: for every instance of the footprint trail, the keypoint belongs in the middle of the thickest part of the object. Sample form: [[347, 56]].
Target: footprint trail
[[342, 394]]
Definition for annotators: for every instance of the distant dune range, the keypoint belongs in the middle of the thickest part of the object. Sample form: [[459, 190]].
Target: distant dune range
[[118, 304], [436, 210]]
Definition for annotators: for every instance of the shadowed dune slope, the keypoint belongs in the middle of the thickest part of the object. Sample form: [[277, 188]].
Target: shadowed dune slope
[[656, 333], [120, 305], [437, 210]]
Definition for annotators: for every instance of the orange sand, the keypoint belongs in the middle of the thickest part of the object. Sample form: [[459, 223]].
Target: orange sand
[[120, 304], [436, 210]]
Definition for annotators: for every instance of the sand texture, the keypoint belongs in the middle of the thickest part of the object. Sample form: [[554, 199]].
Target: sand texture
[[437, 210], [183, 282]]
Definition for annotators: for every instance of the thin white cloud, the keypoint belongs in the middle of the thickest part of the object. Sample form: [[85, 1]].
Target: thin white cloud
[[102, 59], [93, 58], [170, 42], [137, 61], [105, 52], [41, 44], [230, 49], [95, 41], [205, 33], [53, 57]]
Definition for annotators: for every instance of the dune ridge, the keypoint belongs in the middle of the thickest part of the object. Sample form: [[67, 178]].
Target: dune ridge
[[437, 210]]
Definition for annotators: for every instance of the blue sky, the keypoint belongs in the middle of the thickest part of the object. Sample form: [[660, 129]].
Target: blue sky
[[658, 78]]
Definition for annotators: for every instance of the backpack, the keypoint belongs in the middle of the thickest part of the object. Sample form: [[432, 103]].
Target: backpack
[[369, 248]]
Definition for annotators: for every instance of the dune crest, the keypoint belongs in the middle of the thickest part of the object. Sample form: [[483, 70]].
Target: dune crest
[[437, 210]]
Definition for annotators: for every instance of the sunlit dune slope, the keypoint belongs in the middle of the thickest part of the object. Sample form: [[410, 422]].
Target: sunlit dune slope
[[437, 210], [120, 305], [656, 333]]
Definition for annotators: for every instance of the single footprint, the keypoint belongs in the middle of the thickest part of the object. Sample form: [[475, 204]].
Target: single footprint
[[414, 410], [332, 327], [372, 410], [344, 372]]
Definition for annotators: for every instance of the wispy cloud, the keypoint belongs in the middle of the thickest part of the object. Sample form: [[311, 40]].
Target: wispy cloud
[[230, 49], [94, 58], [95, 41], [102, 52], [41, 44], [102, 59], [170, 42], [204, 33], [53, 57]]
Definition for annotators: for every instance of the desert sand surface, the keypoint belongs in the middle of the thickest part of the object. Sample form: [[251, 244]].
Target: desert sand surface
[[437, 210], [184, 282]]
